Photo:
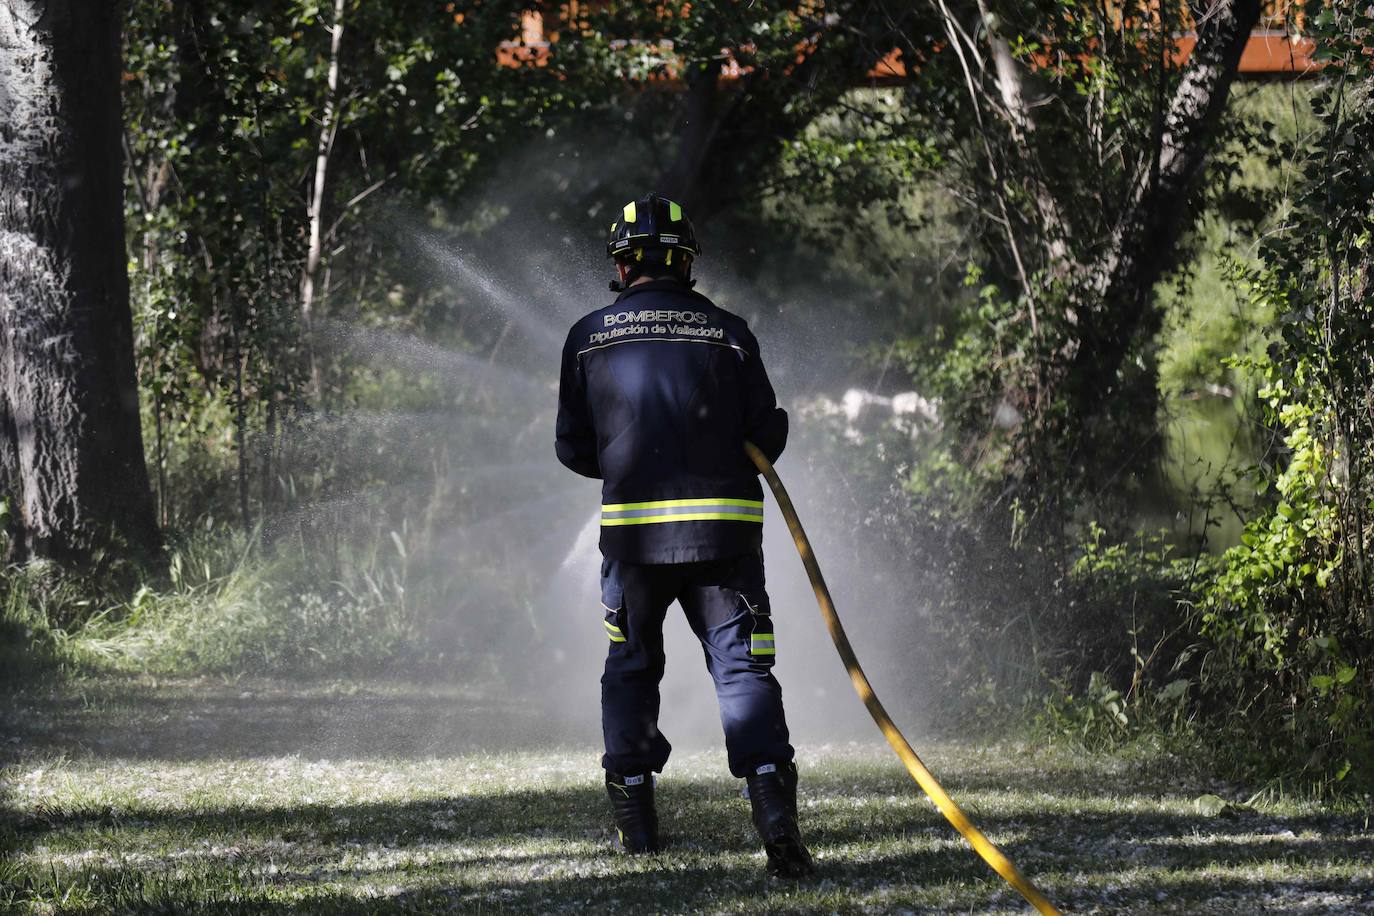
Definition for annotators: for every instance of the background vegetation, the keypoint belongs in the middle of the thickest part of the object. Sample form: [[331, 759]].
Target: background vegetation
[[1139, 503]]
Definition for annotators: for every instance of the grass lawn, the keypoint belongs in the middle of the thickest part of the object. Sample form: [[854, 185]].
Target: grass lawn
[[252, 796]]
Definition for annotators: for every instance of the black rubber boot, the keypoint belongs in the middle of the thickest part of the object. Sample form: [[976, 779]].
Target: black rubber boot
[[636, 821], [773, 795]]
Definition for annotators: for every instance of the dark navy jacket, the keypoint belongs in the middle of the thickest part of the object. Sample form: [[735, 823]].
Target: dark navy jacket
[[658, 392]]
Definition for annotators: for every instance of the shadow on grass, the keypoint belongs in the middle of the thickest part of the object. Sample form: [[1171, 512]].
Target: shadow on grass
[[544, 848], [717, 888], [515, 849]]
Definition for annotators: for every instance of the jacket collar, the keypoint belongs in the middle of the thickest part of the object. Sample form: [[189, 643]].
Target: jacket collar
[[663, 284]]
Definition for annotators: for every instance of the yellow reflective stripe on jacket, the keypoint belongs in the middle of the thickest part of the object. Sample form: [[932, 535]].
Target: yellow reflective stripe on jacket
[[614, 632], [762, 644], [654, 512], [676, 503], [690, 517]]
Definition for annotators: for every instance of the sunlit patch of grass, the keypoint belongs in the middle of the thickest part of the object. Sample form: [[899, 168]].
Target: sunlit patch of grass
[[526, 830]]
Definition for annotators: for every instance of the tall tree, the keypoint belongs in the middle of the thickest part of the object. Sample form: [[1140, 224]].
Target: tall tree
[[1081, 136], [1144, 244], [71, 452]]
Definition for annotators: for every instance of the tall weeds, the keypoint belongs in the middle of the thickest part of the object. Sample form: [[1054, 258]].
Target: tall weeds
[[229, 606]]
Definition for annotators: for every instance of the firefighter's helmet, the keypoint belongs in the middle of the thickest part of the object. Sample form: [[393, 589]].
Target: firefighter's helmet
[[652, 227]]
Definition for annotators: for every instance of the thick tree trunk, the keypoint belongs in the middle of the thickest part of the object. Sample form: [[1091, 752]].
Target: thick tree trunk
[[697, 131], [1143, 248], [73, 464], [1145, 242]]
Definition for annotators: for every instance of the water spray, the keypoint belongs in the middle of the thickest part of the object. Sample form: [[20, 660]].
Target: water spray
[[924, 778]]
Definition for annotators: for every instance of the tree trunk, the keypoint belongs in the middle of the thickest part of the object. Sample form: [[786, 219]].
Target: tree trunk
[[729, 137], [315, 208], [1146, 239], [701, 122], [71, 448], [1012, 90], [1144, 246]]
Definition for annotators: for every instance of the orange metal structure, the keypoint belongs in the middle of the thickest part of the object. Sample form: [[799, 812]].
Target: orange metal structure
[[1268, 53], [1272, 50]]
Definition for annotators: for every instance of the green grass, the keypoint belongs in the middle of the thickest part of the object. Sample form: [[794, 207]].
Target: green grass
[[228, 604], [258, 795]]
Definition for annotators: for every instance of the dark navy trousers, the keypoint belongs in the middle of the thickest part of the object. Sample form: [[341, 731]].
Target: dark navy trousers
[[727, 608]]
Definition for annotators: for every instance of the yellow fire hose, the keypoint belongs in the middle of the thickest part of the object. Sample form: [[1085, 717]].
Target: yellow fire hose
[[952, 812]]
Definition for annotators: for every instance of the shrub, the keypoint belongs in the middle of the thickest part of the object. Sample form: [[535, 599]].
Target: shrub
[[1289, 617]]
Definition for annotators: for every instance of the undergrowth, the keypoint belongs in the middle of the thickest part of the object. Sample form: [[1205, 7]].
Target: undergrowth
[[229, 603]]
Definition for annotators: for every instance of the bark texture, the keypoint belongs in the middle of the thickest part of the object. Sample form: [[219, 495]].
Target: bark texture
[[71, 452], [1144, 244], [1145, 241]]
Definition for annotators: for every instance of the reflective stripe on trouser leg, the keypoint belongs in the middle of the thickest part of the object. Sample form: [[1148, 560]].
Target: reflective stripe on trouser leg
[[612, 630], [762, 640]]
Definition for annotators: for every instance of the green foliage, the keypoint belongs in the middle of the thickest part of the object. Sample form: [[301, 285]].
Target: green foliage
[[268, 413], [1209, 420], [1289, 615], [864, 199], [34, 601], [231, 607], [1134, 596], [229, 610], [1097, 719], [225, 111], [1139, 633], [1209, 317]]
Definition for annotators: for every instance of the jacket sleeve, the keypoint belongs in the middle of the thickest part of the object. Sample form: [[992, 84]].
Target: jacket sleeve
[[575, 435], [765, 423]]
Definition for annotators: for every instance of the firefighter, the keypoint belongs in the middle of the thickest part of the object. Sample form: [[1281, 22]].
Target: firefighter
[[658, 392]]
